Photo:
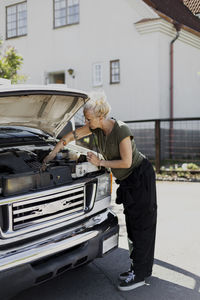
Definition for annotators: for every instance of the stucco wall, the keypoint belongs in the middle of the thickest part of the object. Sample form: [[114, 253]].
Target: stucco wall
[[106, 32], [186, 80]]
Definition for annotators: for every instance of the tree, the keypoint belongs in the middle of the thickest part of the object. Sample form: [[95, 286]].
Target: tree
[[10, 63]]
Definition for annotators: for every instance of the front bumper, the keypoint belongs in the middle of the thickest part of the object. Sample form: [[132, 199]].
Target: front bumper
[[47, 258]]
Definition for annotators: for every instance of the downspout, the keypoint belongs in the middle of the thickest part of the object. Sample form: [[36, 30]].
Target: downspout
[[178, 27], [171, 106]]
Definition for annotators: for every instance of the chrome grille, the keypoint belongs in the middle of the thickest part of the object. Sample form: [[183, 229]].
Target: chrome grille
[[67, 204]]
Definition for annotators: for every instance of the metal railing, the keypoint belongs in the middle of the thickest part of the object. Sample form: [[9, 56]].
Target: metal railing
[[168, 140]]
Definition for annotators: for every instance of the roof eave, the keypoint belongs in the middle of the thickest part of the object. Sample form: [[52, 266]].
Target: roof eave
[[168, 19], [172, 21]]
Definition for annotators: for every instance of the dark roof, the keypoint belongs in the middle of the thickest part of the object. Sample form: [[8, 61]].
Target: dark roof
[[176, 10], [193, 5]]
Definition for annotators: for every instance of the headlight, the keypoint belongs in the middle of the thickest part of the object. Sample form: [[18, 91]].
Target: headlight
[[15, 185], [103, 187]]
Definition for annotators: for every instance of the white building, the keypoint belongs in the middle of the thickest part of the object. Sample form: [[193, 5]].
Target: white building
[[119, 46]]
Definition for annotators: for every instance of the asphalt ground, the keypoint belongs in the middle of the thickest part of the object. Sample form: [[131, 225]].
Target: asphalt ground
[[176, 273]]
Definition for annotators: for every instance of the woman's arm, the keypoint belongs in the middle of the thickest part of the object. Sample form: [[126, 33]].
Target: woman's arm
[[125, 162], [78, 134]]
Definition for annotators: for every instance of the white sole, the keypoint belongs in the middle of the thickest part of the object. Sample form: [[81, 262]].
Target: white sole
[[122, 278], [131, 287]]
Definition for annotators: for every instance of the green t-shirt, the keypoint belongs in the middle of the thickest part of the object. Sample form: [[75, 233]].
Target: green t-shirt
[[109, 147]]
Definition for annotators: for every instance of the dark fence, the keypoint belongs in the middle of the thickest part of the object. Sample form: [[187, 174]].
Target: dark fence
[[163, 141], [168, 140]]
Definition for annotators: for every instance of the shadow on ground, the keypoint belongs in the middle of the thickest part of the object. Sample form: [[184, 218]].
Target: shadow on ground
[[98, 280]]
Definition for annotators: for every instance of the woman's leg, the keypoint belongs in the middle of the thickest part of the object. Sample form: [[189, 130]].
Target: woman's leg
[[141, 223]]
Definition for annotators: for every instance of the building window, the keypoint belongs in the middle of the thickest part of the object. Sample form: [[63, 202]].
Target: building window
[[114, 71], [66, 12], [57, 78], [97, 74], [16, 20]]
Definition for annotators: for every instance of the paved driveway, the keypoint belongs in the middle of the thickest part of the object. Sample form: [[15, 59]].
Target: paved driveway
[[177, 259]]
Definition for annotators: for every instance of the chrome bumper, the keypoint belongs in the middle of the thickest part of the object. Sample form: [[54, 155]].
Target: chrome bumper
[[54, 243]]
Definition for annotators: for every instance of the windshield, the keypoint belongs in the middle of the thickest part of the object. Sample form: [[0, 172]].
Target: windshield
[[7, 132]]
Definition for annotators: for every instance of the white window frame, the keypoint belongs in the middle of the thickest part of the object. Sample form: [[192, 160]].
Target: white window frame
[[13, 20], [64, 15], [97, 74]]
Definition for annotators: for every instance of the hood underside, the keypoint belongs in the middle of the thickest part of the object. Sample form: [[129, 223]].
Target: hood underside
[[43, 107]]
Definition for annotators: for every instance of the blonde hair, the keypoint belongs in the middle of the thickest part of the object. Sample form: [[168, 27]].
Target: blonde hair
[[98, 104]]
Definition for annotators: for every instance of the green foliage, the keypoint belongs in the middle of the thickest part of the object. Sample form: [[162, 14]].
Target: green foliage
[[183, 174], [192, 166], [173, 170], [10, 63]]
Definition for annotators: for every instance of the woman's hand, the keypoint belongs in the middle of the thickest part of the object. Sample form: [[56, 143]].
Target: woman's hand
[[80, 132], [47, 158], [59, 146], [125, 162], [93, 159]]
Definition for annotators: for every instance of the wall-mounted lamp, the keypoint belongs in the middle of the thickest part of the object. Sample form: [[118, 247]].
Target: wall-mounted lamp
[[71, 72]]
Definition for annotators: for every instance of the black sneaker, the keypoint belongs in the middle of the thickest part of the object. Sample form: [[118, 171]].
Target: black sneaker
[[131, 283], [124, 275]]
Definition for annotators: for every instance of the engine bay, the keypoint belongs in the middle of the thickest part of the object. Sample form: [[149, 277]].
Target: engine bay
[[20, 169]]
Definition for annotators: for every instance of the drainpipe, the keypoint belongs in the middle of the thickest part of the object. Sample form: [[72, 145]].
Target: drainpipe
[[178, 27], [171, 109]]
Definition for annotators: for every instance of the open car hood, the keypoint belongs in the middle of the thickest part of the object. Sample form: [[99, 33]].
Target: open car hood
[[47, 107]]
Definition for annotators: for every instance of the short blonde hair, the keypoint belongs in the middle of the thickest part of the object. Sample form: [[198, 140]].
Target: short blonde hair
[[98, 104]]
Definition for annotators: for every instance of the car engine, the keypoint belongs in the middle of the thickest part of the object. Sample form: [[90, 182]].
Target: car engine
[[21, 170]]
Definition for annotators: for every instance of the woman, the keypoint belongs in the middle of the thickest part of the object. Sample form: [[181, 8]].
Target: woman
[[136, 179]]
